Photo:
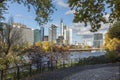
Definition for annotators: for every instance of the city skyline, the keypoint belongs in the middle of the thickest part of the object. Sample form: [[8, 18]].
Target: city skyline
[[21, 15]]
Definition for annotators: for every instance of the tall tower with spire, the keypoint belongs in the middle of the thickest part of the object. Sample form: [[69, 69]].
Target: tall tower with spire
[[61, 27]]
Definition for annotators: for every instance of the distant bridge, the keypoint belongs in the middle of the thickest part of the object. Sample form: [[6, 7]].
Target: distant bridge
[[90, 49]]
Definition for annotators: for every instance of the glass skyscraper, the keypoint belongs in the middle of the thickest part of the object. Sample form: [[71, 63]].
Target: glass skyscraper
[[98, 40], [52, 33], [42, 34], [36, 35]]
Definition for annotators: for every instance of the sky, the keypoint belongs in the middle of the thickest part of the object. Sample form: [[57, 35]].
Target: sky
[[21, 15]]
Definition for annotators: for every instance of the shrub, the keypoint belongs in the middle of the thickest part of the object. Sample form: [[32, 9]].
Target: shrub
[[111, 56]]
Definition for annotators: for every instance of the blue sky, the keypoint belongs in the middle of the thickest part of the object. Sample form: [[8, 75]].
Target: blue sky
[[21, 15]]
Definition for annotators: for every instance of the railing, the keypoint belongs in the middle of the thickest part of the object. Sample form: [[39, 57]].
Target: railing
[[20, 72], [24, 71]]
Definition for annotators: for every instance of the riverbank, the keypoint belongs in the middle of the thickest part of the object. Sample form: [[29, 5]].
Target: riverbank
[[64, 74]]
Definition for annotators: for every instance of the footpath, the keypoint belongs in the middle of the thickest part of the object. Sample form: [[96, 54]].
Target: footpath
[[88, 72]]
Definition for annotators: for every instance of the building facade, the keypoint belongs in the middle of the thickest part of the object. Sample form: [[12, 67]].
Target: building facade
[[98, 40], [68, 36], [52, 34], [42, 34], [65, 34], [45, 38], [27, 33], [36, 35]]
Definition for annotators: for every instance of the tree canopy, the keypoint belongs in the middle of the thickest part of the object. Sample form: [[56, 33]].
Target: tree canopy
[[112, 42], [114, 31], [43, 8], [93, 11], [88, 11]]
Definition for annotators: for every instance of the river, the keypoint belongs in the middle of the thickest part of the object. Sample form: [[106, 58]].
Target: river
[[80, 55]]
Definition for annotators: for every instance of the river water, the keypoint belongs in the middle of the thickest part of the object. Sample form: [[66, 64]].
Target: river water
[[80, 55]]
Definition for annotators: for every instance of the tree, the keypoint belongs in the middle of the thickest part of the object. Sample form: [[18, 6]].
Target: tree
[[43, 8], [112, 38], [93, 11], [39, 44], [111, 44], [10, 38], [46, 46], [34, 54], [87, 46], [114, 34], [2, 10], [112, 47], [114, 31]]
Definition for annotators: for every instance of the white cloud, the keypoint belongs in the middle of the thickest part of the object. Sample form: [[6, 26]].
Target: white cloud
[[81, 30], [104, 28], [70, 12], [61, 3]]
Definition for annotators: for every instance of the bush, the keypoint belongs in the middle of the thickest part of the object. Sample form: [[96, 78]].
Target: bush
[[111, 56], [93, 60]]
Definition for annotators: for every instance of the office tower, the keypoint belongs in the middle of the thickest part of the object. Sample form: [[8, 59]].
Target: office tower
[[27, 33], [61, 28], [60, 40], [45, 38], [36, 35], [65, 34], [42, 34], [68, 39], [52, 33], [98, 40], [70, 36]]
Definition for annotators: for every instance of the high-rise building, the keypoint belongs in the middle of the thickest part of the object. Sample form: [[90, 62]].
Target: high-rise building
[[68, 36], [98, 40], [65, 34], [60, 40], [10, 33], [36, 35], [42, 34], [61, 28], [27, 33], [45, 38], [52, 33]]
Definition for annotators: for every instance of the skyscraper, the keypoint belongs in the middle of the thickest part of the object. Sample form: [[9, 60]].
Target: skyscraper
[[52, 33], [98, 40], [65, 34], [68, 36], [36, 35], [27, 33], [61, 28], [42, 34]]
